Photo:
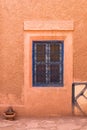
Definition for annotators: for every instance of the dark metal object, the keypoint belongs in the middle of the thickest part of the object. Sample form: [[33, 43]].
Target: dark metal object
[[75, 98]]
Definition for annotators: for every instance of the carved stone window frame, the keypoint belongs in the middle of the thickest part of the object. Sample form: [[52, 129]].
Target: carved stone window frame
[[48, 30]]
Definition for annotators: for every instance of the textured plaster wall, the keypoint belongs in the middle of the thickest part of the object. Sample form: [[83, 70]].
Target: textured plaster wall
[[13, 13]]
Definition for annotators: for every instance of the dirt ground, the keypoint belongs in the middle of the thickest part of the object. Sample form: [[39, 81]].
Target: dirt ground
[[55, 123]]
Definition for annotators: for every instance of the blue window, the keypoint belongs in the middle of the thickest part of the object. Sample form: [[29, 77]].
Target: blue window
[[48, 63]]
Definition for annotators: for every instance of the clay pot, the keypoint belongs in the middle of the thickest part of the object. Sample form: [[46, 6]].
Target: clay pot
[[9, 116]]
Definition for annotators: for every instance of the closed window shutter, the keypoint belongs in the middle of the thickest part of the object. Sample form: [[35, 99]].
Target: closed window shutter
[[39, 64], [47, 63]]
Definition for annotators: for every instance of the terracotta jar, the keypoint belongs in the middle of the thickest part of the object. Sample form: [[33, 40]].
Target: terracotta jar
[[9, 114]]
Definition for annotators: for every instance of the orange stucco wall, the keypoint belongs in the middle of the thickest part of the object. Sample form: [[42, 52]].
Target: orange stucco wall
[[13, 13]]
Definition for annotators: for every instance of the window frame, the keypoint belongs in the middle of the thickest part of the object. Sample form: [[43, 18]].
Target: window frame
[[60, 62]]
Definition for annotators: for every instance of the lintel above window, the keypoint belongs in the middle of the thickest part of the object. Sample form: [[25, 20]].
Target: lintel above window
[[49, 25]]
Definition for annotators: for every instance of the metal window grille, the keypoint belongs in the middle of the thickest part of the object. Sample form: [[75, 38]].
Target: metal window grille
[[48, 63]]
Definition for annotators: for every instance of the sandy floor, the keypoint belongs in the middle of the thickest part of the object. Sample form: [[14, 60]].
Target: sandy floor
[[63, 123]]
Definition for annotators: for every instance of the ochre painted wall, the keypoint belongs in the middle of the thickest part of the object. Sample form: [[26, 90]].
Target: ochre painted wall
[[13, 13]]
